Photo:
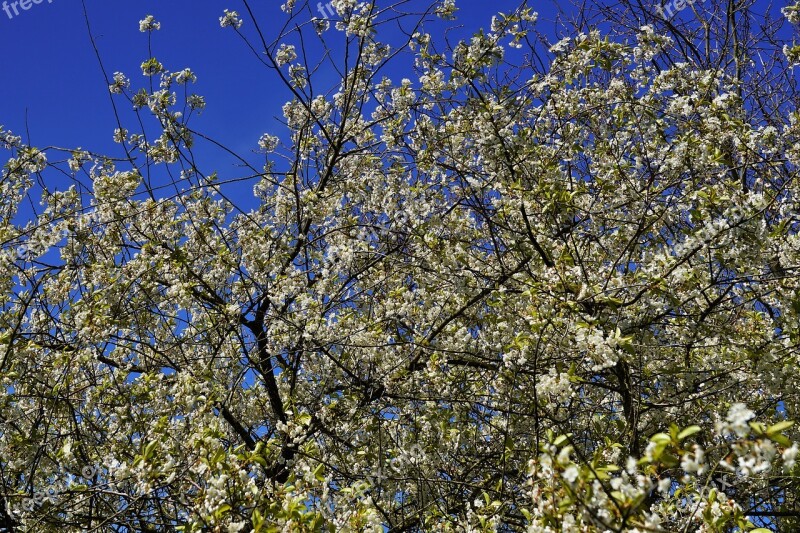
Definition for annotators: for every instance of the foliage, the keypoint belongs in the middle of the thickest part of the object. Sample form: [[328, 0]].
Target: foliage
[[504, 293]]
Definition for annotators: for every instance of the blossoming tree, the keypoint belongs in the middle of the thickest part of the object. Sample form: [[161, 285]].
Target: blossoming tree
[[520, 288]]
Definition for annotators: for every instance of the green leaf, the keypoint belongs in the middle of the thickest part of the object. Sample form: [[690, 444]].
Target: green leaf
[[669, 459], [688, 432], [660, 438], [257, 519], [783, 440], [148, 449], [561, 439], [319, 472], [780, 426], [224, 508]]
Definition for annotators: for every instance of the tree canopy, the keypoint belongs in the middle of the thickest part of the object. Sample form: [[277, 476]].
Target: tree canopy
[[508, 283]]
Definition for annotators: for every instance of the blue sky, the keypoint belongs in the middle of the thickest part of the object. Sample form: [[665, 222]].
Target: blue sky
[[53, 92]]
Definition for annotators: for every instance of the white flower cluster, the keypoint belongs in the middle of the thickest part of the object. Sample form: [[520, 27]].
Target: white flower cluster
[[789, 457], [195, 101], [792, 13], [268, 142], [185, 76], [286, 54], [752, 458], [8, 139], [650, 43], [78, 159], [447, 9], [694, 462], [344, 7], [120, 83], [630, 484], [736, 422], [554, 384], [321, 25], [149, 24], [29, 160], [230, 19], [297, 75], [561, 46], [792, 54], [151, 67], [599, 348]]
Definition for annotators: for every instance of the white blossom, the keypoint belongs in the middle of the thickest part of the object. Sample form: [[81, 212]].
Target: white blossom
[[230, 19], [149, 24]]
